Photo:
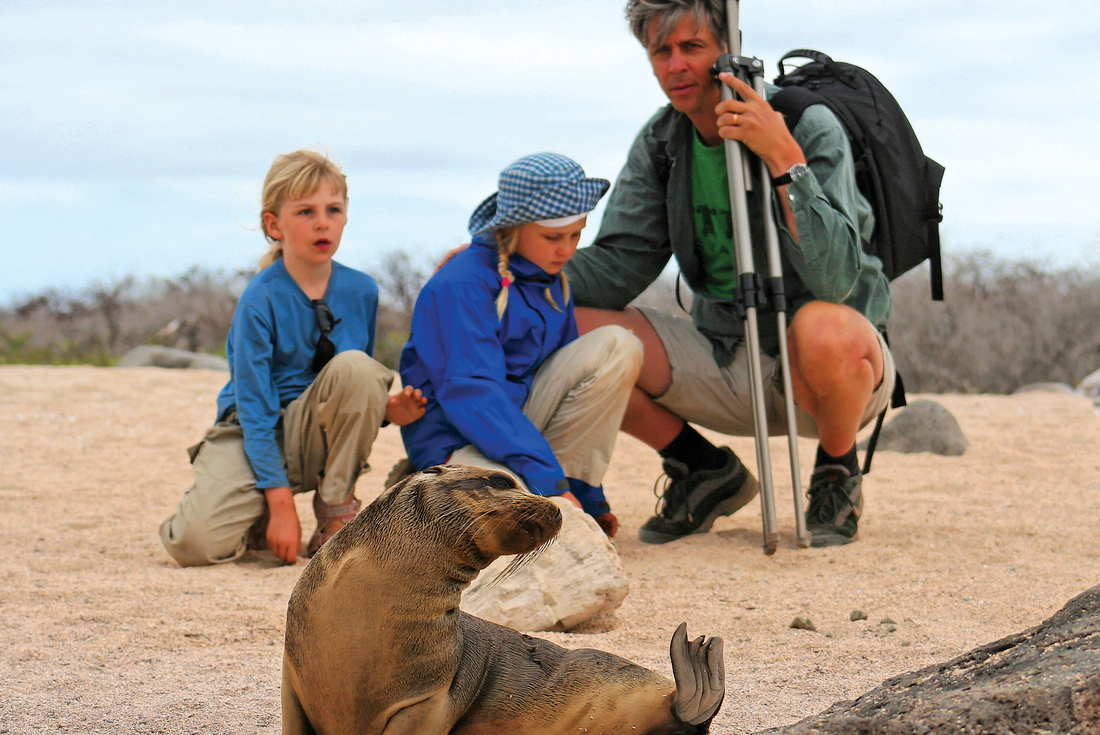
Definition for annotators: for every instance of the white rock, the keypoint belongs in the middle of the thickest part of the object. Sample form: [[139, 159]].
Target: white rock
[[1090, 386], [170, 357], [575, 579]]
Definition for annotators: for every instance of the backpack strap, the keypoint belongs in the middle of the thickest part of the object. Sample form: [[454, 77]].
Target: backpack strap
[[897, 400], [662, 162], [793, 101]]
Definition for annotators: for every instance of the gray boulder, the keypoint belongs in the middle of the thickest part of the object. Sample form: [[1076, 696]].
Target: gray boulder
[[922, 426], [1090, 386], [1045, 388], [1044, 680], [170, 357]]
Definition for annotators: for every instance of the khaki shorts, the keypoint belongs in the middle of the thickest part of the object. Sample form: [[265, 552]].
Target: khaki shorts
[[720, 398]]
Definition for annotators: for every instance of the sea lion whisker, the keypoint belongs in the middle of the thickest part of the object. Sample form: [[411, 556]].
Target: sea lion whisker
[[514, 566]]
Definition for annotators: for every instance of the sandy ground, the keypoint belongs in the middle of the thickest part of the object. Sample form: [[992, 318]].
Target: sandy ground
[[100, 632]]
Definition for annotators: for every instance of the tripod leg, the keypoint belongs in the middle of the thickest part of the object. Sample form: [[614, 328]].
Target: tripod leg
[[775, 267], [735, 170]]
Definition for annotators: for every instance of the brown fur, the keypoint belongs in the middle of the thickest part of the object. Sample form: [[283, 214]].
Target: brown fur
[[375, 642]]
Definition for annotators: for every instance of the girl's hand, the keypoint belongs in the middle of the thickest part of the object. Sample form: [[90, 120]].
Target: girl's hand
[[406, 406], [284, 531]]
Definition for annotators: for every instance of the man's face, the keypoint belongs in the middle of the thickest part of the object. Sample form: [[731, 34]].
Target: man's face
[[682, 64]]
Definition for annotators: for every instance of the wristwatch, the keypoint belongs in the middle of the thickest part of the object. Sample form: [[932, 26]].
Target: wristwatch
[[794, 173]]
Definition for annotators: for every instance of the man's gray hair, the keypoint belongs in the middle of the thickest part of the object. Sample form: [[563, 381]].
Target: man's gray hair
[[667, 14]]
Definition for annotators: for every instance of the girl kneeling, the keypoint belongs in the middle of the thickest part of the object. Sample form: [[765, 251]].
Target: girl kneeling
[[494, 346]]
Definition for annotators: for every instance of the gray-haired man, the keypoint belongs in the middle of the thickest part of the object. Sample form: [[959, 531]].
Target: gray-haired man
[[672, 198]]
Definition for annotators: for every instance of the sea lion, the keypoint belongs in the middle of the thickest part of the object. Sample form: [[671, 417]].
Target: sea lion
[[375, 642]]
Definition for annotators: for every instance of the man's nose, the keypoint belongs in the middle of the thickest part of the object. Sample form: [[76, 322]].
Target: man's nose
[[676, 61]]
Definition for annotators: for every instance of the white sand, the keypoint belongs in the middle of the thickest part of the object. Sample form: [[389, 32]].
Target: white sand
[[100, 632]]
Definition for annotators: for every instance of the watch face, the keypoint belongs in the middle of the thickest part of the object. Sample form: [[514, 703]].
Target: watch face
[[798, 170]]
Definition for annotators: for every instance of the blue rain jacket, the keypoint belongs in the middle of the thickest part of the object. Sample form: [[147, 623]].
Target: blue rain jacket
[[476, 371]]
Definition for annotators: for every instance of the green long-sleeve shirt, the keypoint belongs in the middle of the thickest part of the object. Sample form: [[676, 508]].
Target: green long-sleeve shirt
[[649, 219]]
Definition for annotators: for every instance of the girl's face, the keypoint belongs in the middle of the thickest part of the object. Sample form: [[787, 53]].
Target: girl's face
[[549, 248], [310, 228]]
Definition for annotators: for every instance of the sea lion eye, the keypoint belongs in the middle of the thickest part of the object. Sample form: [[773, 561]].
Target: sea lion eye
[[502, 481]]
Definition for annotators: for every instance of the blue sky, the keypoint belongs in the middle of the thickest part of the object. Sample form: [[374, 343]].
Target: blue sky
[[135, 135]]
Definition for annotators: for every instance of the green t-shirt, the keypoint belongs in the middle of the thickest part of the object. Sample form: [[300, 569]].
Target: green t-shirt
[[710, 206]]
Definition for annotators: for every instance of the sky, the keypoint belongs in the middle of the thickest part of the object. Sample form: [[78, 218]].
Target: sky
[[134, 136]]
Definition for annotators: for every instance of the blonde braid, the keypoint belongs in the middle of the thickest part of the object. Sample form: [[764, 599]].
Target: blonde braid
[[564, 293], [507, 239]]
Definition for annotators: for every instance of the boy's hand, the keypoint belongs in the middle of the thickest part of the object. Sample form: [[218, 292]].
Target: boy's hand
[[284, 531], [405, 407], [608, 522], [450, 254]]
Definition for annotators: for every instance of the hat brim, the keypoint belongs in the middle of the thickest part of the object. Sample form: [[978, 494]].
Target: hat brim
[[563, 200]]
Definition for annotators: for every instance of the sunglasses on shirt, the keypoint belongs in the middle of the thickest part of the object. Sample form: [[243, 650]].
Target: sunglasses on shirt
[[326, 350]]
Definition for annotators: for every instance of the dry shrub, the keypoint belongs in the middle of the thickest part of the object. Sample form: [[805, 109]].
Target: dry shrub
[[1003, 324], [102, 322]]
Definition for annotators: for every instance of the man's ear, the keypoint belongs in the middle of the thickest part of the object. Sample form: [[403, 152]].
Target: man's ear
[[271, 226]]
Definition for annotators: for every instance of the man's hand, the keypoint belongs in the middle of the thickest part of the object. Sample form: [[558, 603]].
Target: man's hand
[[450, 254], [405, 407], [284, 531], [752, 121], [609, 523]]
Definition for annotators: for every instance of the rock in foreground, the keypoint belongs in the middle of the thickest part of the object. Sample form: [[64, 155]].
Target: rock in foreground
[[1044, 680]]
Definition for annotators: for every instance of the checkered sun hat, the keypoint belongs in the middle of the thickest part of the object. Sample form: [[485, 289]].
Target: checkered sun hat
[[538, 187]]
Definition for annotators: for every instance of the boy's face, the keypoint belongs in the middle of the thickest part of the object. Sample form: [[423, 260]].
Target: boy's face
[[549, 248], [310, 228], [682, 64]]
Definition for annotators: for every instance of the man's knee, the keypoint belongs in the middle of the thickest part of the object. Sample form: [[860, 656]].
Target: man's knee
[[825, 333]]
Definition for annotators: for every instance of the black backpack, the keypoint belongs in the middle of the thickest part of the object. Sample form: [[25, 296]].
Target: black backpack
[[899, 181]]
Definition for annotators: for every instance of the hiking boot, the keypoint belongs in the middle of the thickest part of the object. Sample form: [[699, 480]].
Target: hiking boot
[[836, 501], [256, 538], [692, 500]]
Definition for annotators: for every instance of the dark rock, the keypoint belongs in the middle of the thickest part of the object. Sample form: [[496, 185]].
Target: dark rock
[[803, 624], [170, 357], [1044, 680], [922, 426], [857, 615]]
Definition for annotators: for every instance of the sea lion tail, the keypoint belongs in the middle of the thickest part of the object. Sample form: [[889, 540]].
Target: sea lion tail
[[700, 673]]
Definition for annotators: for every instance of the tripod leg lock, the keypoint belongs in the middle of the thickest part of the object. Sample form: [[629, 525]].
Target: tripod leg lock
[[777, 294]]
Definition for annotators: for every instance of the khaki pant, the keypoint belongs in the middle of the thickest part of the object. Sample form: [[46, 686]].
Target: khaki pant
[[720, 398], [325, 436], [577, 402]]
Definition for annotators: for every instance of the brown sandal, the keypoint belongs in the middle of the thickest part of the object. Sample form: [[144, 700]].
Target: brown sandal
[[326, 513]]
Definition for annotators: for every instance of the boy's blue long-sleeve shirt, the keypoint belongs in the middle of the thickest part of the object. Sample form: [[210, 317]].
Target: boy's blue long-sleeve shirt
[[476, 371], [270, 347]]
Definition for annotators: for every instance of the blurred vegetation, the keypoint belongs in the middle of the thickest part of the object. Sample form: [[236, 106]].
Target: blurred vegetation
[[1004, 323]]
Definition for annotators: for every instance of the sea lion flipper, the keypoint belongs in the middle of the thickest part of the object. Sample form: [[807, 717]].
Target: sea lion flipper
[[700, 673]]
